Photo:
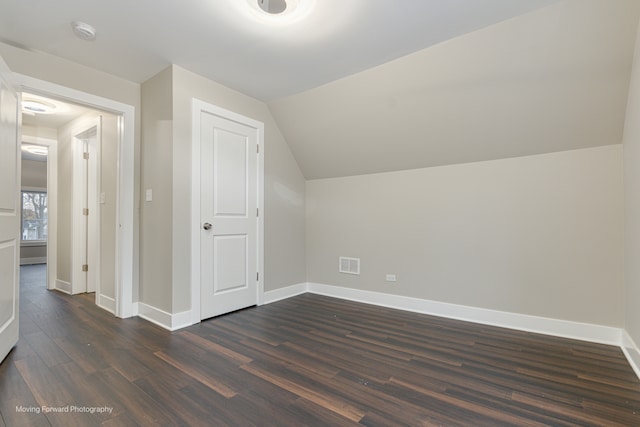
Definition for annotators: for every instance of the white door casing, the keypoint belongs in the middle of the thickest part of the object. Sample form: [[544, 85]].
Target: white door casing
[[9, 211], [86, 224], [126, 248], [227, 193], [52, 203]]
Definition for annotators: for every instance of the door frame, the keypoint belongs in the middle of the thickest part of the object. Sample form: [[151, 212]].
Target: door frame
[[125, 187], [52, 203], [197, 108], [81, 234]]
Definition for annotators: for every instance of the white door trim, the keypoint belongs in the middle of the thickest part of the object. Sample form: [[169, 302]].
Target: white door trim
[[52, 203], [85, 229], [197, 107], [125, 210]]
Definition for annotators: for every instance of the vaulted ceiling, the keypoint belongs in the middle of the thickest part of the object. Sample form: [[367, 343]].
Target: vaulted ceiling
[[551, 80], [365, 86]]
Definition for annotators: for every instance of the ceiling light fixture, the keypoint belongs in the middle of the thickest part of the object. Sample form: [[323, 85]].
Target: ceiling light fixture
[[273, 7], [33, 107], [280, 11], [83, 30], [38, 150]]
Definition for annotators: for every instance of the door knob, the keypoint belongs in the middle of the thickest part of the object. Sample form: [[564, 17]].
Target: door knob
[[207, 226]]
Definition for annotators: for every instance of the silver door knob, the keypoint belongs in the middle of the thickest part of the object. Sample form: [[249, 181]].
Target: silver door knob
[[207, 226]]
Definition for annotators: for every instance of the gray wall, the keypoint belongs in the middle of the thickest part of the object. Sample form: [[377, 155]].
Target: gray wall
[[632, 203], [34, 174], [108, 186], [156, 216], [65, 199], [539, 235], [166, 221]]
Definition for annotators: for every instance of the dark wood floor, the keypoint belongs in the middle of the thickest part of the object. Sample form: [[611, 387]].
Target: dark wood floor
[[308, 360]]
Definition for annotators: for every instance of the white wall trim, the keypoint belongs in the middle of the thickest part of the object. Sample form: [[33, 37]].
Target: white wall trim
[[163, 319], [106, 303], [198, 106], [125, 210], [284, 293], [63, 286], [522, 322], [631, 351], [33, 260]]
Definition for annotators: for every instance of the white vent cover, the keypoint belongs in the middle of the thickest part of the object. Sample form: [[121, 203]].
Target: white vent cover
[[349, 265]]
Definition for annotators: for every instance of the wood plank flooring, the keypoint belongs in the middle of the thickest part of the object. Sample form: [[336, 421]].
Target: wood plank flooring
[[308, 360]]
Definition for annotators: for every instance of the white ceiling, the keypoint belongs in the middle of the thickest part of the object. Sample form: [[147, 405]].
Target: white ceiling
[[366, 86], [221, 40]]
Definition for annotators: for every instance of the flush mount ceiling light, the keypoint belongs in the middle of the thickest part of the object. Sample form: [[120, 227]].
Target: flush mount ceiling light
[[273, 7], [280, 11], [38, 150], [83, 30], [33, 107]]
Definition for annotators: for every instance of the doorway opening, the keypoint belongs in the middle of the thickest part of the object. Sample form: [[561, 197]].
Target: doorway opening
[[80, 189]]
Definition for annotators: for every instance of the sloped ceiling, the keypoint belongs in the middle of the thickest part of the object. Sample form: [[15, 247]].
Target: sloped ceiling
[[554, 79]]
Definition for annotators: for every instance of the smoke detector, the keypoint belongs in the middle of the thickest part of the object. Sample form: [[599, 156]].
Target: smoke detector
[[83, 30]]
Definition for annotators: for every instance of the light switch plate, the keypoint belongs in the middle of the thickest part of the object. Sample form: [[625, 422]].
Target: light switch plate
[[148, 195]]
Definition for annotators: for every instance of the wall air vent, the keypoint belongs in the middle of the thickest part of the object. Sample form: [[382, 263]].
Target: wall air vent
[[349, 265]]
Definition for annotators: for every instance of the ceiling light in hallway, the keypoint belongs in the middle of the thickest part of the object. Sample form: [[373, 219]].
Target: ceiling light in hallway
[[83, 30]]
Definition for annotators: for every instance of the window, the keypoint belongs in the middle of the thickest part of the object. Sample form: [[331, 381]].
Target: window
[[34, 216]]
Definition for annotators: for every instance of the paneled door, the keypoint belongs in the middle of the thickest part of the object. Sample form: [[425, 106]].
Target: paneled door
[[228, 215], [10, 208]]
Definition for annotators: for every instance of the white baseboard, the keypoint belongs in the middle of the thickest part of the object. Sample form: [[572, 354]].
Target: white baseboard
[[284, 293], [63, 286], [523, 322], [107, 303], [161, 318], [631, 351], [34, 260]]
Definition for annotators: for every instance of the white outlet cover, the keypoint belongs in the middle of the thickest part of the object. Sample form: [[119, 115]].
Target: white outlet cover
[[391, 277], [148, 195]]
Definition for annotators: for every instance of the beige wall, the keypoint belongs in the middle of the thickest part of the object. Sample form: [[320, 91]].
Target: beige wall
[[539, 235], [632, 202], [156, 216]]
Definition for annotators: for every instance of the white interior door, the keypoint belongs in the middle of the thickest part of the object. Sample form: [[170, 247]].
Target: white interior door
[[85, 247], [9, 212], [228, 215]]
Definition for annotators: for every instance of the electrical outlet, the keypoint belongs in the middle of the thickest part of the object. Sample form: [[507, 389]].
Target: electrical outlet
[[391, 277]]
